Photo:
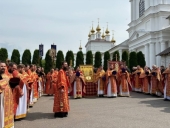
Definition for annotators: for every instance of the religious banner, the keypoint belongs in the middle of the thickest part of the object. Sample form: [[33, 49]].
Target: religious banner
[[41, 47], [54, 48], [116, 64], [87, 70]]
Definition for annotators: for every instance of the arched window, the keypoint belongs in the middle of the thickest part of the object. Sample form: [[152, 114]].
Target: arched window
[[141, 7]]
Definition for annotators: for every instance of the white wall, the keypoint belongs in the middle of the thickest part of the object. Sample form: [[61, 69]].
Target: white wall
[[165, 60]]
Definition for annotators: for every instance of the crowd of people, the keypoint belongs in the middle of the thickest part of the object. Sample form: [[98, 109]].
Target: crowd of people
[[22, 85], [113, 83]]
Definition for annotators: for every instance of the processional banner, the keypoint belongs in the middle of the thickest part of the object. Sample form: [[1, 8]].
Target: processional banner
[[87, 70]]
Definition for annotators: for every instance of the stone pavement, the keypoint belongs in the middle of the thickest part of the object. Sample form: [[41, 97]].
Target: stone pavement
[[137, 111]]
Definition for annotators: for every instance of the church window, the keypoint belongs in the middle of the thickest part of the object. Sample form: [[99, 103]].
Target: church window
[[141, 7]]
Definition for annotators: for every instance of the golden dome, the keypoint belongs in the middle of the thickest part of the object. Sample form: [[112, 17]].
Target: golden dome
[[107, 31], [98, 28], [113, 40], [89, 34], [103, 36], [92, 31], [80, 48]]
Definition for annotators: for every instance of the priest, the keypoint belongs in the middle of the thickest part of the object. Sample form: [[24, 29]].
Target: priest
[[6, 100], [61, 101], [111, 82], [124, 82], [100, 76], [78, 84]]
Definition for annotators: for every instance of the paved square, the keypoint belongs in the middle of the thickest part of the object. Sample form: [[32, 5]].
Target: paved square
[[137, 111]]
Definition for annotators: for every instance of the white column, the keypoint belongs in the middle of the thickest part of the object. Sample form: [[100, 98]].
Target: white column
[[111, 56], [120, 54], [147, 54], [152, 55], [158, 58], [163, 46]]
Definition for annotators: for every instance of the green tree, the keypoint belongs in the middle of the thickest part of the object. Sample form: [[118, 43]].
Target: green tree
[[132, 60], [79, 58], [141, 59], [69, 57], [125, 57], [89, 58], [114, 56], [15, 56], [106, 58], [98, 60], [3, 54], [43, 63], [48, 62], [36, 57], [60, 59], [26, 57], [40, 62]]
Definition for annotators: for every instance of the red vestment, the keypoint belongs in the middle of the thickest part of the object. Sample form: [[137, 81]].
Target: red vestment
[[6, 99], [61, 102]]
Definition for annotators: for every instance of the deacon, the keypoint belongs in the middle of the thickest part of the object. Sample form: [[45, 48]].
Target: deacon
[[111, 82], [138, 81], [124, 82], [6, 100], [61, 102], [145, 76], [156, 83], [30, 84], [22, 106], [100, 81], [78, 84], [49, 87]]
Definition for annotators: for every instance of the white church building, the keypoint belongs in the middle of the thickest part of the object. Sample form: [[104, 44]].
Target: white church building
[[149, 32]]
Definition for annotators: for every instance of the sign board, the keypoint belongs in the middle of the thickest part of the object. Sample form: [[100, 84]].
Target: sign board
[[87, 70]]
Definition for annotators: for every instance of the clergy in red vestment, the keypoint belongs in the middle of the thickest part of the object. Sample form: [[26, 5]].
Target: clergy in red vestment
[[124, 82], [137, 79], [49, 89], [54, 80], [6, 100], [111, 82], [15, 86], [21, 109], [99, 79], [34, 77], [30, 85], [78, 84], [61, 101], [156, 81], [145, 77]]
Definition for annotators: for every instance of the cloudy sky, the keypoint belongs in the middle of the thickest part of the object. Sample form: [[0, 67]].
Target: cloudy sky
[[26, 24]]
